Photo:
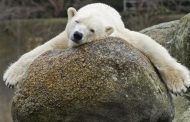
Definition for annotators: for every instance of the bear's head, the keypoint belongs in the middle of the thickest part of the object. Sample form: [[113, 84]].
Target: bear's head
[[82, 28]]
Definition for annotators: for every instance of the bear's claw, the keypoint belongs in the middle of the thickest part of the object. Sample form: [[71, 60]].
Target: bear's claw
[[11, 82], [14, 74], [10, 85]]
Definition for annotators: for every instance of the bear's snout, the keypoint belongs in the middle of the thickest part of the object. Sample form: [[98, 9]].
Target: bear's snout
[[77, 37]]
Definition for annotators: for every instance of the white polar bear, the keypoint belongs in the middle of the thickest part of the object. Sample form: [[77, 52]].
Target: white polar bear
[[97, 21]]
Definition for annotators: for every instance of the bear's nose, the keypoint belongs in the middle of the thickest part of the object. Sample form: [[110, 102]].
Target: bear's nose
[[77, 36]]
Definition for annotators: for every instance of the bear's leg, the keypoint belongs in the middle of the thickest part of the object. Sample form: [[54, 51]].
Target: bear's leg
[[175, 75], [16, 72]]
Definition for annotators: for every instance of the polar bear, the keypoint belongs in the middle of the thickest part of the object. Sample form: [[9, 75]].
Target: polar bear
[[97, 21]]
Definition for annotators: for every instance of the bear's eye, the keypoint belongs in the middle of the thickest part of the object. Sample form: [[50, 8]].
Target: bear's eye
[[92, 30], [76, 21]]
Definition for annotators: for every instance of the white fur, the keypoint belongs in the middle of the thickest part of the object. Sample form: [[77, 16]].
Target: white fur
[[106, 21]]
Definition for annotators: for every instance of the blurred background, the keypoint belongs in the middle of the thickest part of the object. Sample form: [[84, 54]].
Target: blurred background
[[25, 24]]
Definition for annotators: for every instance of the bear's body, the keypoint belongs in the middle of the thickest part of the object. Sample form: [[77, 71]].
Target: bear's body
[[96, 21]]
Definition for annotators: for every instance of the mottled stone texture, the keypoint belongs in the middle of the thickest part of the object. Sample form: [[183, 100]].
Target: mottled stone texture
[[103, 81]]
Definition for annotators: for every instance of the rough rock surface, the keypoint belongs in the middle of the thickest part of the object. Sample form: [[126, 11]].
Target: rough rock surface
[[103, 81], [175, 36], [182, 109]]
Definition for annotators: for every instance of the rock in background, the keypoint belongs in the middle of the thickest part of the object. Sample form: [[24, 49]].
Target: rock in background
[[175, 36], [103, 81]]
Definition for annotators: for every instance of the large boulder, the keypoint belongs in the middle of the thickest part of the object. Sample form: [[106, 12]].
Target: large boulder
[[103, 81], [175, 36]]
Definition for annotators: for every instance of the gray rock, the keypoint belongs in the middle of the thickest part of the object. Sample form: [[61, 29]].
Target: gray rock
[[175, 36], [180, 43], [182, 109], [103, 81], [185, 116], [161, 32]]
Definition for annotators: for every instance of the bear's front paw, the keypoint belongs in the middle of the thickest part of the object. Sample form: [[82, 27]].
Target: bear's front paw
[[176, 77], [13, 75]]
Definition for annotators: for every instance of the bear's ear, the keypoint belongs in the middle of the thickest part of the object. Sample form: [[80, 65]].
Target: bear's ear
[[109, 30], [71, 12]]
